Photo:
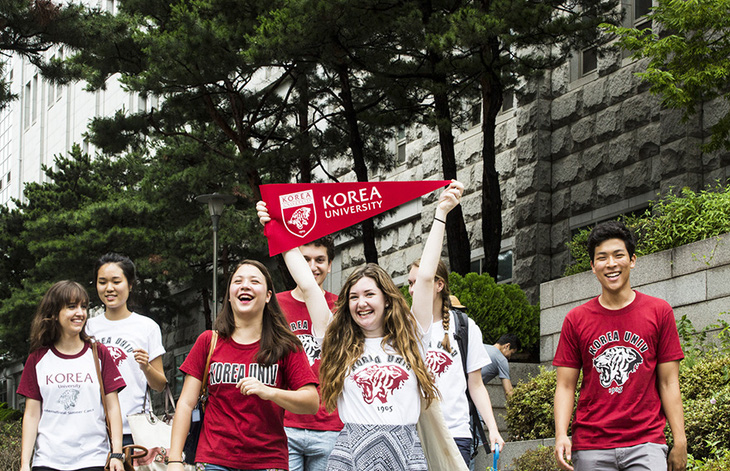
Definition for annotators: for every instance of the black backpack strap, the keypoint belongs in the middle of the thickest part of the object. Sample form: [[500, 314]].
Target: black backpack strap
[[461, 334]]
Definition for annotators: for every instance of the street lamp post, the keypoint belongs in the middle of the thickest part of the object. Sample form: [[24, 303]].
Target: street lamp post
[[215, 202]]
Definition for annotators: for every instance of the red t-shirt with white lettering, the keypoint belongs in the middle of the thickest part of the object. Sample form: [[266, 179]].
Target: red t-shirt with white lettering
[[68, 388], [301, 324], [243, 432], [618, 351]]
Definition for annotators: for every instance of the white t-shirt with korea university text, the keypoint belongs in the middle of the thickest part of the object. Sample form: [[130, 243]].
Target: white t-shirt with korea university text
[[121, 337]]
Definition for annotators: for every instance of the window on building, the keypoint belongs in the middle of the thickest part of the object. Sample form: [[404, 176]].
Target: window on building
[[35, 97], [51, 93], [475, 114], [400, 145], [141, 103], [504, 266], [179, 375], [59, 87], [641, 9], [588, 61], [3, 391], [26, 104], [508, 99]]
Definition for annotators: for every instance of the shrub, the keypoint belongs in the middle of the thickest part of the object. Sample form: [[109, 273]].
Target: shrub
[[7, 413], [530, 414], [674, 220], [707, 422], [721, 462], [541, 458], [10, 436], [496, 308]]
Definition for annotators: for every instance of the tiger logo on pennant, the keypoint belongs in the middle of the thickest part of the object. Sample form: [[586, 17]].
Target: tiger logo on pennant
[[297, 212]]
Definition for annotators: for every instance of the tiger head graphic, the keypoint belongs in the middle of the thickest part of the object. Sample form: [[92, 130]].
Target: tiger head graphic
[[311, 347], [300, 218], [117, 354], [68, 398], [438, 362], [615, 365], [379, 382]]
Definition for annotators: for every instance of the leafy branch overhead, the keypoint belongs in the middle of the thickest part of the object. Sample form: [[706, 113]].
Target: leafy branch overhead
[[688, 58]]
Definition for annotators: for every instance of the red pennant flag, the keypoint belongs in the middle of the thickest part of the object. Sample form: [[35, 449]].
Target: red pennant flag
[[303, 212]]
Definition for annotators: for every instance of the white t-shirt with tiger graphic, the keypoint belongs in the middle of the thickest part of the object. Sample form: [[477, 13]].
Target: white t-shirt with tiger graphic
[[381, 388], [448, 371]]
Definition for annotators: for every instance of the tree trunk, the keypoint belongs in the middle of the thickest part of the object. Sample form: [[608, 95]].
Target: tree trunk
[[304, 148], [491, 91], [457, 237], [358, 155]]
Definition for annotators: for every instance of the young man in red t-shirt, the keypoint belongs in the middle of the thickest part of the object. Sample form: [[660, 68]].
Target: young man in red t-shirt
[[311, 437], [627, 346]]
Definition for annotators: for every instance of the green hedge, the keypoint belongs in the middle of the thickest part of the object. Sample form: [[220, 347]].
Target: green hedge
[[675, 220], [540, 459], [530, 414], [7, 414], [496, 308], [10, 435]]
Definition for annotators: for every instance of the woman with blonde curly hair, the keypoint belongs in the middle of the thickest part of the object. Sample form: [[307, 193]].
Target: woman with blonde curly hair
[[373, 367]]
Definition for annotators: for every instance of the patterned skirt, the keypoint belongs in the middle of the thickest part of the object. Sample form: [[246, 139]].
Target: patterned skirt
[[377, 448]]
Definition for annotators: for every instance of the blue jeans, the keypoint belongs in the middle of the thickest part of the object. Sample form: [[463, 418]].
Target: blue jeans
[[309, 449], [464, 446]]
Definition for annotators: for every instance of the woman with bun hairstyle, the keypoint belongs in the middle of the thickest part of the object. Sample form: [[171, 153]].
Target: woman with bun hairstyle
[[257, 370], [373, 351], [64, 424], [134, 340]]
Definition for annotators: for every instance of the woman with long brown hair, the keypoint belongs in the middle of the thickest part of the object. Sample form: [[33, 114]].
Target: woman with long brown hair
[[61, 387], [257, 370], [373, 352]]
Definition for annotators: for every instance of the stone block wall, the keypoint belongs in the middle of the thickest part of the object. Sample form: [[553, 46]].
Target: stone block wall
[[573, 151], [693, 279]]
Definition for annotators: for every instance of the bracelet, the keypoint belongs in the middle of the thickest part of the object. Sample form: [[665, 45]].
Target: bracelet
[[174, 461], [440, 220], [119, 456]]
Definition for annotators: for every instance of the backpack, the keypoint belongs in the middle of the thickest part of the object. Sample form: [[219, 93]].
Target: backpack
[[461, 334]]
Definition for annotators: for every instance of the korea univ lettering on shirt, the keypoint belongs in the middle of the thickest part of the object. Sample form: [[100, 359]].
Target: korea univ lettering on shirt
[[120, 349], [615, 363], [232, 373]]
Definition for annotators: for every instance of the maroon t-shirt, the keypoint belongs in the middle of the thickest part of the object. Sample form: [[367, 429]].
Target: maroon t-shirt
[[240, 431], [618, 351], [301, 324]]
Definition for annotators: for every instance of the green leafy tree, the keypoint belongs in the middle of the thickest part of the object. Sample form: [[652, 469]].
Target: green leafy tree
[[135, 205], [193, 56], [28, 28], [353, 112], [688, 53]]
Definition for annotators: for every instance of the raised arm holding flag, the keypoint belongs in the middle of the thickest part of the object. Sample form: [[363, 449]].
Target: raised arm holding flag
[[373, 352]]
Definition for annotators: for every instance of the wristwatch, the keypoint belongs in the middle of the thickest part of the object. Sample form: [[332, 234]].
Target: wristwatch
[[119, 456]]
